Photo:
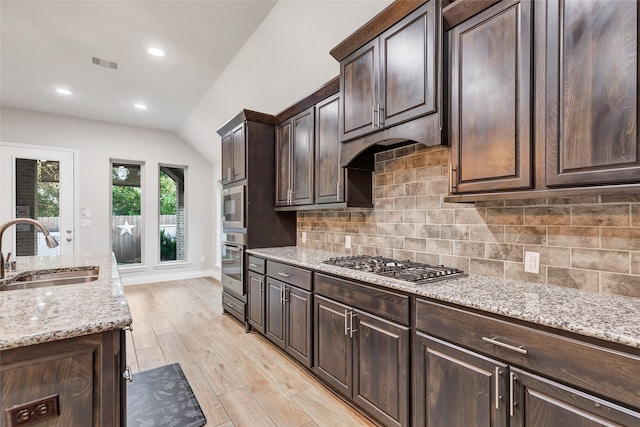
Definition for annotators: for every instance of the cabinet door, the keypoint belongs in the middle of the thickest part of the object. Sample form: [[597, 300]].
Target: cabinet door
[[358, 86], [380, 368], [256, 301], [227, 158], [283, 163], [275, 312], [298, 306], [239, 150], [302, 158], [491, 99], [329, 173], [457, 387], [407, 64], [592, 93], [332, 344], [539, 402]]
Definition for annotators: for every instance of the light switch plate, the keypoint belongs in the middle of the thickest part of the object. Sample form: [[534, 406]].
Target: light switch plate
[[347, 242], [304, 237]]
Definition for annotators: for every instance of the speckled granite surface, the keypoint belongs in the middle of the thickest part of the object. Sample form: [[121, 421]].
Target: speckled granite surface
[[33, 316], [607, 317]]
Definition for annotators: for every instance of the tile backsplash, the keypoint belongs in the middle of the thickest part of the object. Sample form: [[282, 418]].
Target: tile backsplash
[[591, 243]]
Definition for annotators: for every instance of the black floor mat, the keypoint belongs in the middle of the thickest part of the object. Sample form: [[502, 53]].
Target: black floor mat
[[162, 397]]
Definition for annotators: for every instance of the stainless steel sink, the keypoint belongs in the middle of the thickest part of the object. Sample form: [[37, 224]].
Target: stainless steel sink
[[51, 278]]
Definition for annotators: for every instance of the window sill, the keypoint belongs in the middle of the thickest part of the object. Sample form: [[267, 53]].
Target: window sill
[[132, 268], [173, 264]]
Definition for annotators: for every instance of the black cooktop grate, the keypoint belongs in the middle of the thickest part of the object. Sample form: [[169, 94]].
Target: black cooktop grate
[[410, 271]]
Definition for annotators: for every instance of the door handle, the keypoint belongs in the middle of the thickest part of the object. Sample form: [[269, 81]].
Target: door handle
[[346, 326]]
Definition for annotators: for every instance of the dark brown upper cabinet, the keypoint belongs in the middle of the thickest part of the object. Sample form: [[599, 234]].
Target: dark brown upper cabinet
[[490, 104], [329, 174], [392, 78], [233, 155], [591, 92], [294, 160]]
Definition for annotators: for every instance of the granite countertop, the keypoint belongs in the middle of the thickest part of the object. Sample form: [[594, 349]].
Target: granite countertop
[[607, 317], [33, 316]]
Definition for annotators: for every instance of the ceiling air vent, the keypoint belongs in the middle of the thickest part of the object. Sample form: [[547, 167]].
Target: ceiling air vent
[[104, 63]]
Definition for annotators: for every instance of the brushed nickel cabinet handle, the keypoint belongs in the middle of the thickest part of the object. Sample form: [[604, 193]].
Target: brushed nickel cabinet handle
[[280, 273], [351, 330], [512, 403], [504, 345], [253, 265], [373, 116], [346, 328], [380, 116], [452, 182], [497, 386]]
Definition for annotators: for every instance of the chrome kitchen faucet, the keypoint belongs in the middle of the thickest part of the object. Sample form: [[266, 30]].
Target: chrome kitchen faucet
[[51, 242]]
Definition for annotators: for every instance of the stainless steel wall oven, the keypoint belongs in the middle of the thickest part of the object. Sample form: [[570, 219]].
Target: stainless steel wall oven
[[233, 207]]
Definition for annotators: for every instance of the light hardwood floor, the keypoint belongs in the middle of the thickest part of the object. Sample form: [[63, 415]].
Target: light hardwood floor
[[239, 379]]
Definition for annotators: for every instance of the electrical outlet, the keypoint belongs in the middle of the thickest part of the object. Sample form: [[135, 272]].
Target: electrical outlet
[[202, 258], [304, 237], [347, 242], [532, 262]]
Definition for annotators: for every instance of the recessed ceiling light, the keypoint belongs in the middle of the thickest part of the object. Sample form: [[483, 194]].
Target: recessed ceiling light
[[63, 91], [155, 51], [140, 106]]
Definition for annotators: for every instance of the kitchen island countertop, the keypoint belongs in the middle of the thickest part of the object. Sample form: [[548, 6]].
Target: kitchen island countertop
[[607, 317], [34, 316]]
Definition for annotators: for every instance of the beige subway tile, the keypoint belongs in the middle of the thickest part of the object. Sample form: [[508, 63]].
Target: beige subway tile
[[385, 229], [404, 203], [620, 284], [550, 255], [404, 230], [600, 215], [378, 167], [428, 202], [415, 244], [440, 216], [459, 262], [635, 215], [583, 237], [416, 161], [515, 271], [358, 216], [394, 165], [572, 278], [469, 216], [547, 215], [407, 150], [416, 189], [504, 251], [635, 262], [385, 252], [438, 157], [490, 204], [405, 176], [378, 193], [393, 242], [375, 240], [469, 249], [505, 216], [421, 147], [526, 202], [602, 260], [440, 246], [368, 228], [381, 179], [394, 216], [620, 198], [428, 173], [530, 235], [404, 255], [427, 258], [352, 227], [486, 267], [417, 216], [620, 238], [438, 186], [384, 204], [581, 200], [431, 231], [385, 155], [454, 232], [486, 233], [395, 190]]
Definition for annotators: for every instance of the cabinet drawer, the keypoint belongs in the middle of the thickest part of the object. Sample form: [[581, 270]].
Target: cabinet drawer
[[289, 274], [256, 264], [233, 306], [376, 301], [611, 373]]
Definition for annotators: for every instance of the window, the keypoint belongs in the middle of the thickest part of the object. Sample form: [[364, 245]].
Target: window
[[126, 212], [172, 214]]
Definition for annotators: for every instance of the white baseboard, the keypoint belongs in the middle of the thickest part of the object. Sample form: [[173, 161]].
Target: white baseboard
[[166, 277]]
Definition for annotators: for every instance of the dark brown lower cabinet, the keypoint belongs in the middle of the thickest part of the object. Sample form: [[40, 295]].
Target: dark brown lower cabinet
[[289, 319], [365, 358], [255, 299]]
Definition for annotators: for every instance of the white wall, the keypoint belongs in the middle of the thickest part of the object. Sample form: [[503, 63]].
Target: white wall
[[97, 143]]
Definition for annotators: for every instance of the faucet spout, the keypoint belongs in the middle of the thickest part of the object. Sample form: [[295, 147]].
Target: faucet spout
[[51, 242]]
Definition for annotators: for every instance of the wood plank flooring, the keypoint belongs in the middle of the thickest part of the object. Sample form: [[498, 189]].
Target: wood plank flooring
[[239, 379]]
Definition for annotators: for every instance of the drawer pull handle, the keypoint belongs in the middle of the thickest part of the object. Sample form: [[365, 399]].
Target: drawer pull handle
[[253, 265], [504, 345], [280, 273]]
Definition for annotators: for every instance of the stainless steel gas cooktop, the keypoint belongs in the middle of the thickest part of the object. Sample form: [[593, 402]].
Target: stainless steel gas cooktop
[[414, 272]]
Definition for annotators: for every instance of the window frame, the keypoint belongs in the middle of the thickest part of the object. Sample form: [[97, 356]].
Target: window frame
[[177, 262]]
